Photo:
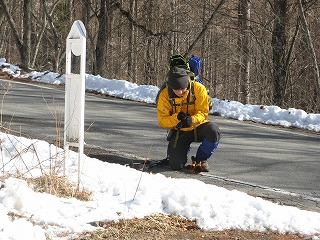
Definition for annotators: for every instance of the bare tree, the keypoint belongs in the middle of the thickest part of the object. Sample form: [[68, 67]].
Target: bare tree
[[23, 42], [148, 57], [57, 38], [279, 41], [101, 39], [205, 28], [263, 51], [243, 44], [311, 48], [132, 42], [26, 38], [173, 36]]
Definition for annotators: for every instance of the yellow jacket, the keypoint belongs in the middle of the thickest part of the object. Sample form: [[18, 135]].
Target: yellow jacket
[[167, 113]]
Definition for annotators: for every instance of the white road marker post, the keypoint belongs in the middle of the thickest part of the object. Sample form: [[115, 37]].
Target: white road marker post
[[75, 93]]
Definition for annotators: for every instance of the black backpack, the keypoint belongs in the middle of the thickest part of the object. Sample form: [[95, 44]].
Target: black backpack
[[177, 60]]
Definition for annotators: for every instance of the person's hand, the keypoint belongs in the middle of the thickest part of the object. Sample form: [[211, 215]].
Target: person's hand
[[181, 115], [186, 122]]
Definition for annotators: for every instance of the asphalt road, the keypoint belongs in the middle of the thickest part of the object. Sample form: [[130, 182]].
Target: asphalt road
[[262, 160]]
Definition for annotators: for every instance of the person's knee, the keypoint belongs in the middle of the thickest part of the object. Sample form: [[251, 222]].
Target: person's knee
[[213, 133], [177, 162]]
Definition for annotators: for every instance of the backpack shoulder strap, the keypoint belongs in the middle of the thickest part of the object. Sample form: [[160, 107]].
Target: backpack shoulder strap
[[160, 90], [193, 95]]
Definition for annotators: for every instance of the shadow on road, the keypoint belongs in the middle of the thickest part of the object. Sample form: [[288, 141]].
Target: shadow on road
[[132, 161]]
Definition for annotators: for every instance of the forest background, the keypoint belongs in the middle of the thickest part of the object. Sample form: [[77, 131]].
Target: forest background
[[257, 52]]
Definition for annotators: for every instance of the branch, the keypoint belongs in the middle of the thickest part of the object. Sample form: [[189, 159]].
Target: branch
[[146, 30], [309, 43], [12, 26], [205, 27]]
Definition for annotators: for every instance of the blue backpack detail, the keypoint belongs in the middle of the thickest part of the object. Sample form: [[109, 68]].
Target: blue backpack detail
[[195, 66]]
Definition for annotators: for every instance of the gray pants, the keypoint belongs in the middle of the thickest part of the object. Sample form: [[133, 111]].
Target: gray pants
[[178, 148]]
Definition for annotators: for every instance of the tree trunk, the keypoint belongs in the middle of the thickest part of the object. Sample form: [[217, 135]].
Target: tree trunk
[[13, 27], [56, 41], [101, 39], [39, 38], [173, 45], [279, 54], [311, 49], [131, 42], [243, 45], [26, 46], [149, 65]]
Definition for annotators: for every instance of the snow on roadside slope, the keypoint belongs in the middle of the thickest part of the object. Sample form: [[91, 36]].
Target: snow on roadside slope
[[272, 115], [118, 193]]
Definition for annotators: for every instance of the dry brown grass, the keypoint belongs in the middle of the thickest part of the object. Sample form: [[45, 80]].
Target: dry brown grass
[[163, 227], [59, 186]]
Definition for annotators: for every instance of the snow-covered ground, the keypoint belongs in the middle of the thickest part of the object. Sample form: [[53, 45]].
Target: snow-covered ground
[[121, 192]]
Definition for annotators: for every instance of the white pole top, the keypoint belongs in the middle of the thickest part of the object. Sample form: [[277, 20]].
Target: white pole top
[[77, 37]]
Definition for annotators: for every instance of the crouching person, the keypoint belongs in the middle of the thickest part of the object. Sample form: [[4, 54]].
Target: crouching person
[[183, 107]]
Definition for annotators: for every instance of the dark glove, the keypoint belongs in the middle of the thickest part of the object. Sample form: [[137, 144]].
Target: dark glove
[[186, 122], [181, 115]]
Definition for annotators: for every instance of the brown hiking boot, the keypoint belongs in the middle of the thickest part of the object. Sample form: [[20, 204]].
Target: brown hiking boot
[[204, 166], [191, 166], [198, 168]]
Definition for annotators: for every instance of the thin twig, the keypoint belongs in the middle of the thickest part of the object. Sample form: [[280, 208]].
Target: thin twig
[[144, 164]]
